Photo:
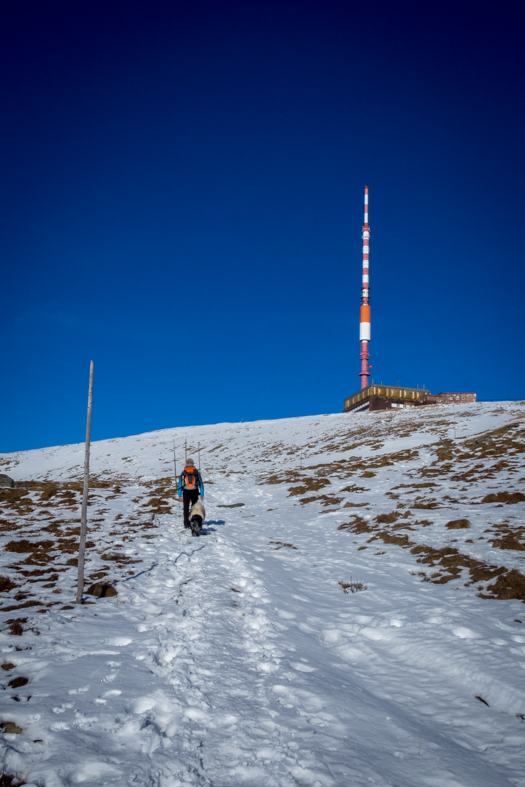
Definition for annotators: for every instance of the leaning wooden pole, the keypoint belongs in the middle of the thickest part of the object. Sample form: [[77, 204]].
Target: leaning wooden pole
[[83, 516]]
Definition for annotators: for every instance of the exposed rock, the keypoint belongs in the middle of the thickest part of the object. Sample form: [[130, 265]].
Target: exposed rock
[[458, 524], [102, 590], [7, 665], [17, 683], [6, 481], [10, 726]]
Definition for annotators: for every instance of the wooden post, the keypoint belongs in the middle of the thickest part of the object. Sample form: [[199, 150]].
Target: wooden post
[[83, 516], [175, 469]]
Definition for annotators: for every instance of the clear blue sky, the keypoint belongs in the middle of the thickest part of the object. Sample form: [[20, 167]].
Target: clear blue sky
[[181, 201]]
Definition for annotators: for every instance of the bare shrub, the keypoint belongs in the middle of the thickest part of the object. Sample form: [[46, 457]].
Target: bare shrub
[[353, 587]]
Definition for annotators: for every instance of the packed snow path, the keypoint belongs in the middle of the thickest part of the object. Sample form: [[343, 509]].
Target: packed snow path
[[238, 659]]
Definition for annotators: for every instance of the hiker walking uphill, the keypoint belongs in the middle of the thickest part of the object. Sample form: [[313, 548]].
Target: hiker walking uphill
[[189, 488]]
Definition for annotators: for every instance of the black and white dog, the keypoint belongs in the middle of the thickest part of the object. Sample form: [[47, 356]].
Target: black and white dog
[[197, 516]]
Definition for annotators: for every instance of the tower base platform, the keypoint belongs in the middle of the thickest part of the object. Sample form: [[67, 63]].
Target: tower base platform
[[390, 397]]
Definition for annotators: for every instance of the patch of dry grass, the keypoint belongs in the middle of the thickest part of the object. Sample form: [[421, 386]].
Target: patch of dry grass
[[357, 525], [509, 536], [16, 626], [281, 544], [387, 519], [28, 546], [426, 484], [427, 505], [308, 485], [6, 585], [448, 561], [158, 505], [507, 586], [509, 498], [325, 500]]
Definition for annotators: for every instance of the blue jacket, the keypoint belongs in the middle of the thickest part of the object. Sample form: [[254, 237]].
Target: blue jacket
[[182, 483]]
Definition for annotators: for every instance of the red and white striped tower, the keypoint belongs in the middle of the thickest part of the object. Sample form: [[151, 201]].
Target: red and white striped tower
[[364, 325]]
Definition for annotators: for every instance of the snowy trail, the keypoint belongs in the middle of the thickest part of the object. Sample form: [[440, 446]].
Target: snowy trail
[[236, 659], [221, 687]]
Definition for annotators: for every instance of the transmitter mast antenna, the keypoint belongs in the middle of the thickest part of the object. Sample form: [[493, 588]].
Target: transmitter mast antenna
[[364, 322]]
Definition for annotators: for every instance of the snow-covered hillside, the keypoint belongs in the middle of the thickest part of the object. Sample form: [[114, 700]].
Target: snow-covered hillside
[[352, 613]]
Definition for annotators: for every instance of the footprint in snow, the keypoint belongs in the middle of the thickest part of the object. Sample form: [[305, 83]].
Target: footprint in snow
[[297, 665]]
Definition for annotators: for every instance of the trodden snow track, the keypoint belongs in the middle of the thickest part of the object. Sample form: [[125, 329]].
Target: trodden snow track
[[236, 659]]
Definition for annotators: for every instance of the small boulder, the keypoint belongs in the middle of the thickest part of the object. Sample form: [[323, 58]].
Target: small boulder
[[11, 727], [7, 665], [17, 683], [100, 590], [458, 524], [6, 482]]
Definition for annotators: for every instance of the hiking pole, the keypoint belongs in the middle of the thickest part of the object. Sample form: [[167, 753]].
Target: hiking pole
[[199, 452]]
